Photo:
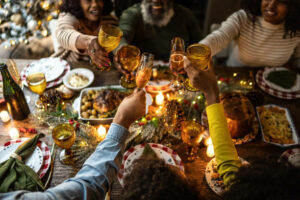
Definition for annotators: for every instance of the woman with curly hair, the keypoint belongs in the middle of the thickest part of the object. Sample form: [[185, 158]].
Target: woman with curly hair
[[265, 33], [77, 29]]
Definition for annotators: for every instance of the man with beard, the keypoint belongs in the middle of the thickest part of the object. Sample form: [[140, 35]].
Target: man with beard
[[151, 25]]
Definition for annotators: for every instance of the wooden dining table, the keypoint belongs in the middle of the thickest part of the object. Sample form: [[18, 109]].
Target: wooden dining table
[[195, 171]]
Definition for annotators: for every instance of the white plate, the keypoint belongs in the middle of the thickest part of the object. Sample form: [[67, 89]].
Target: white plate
[[51, 67], [168, 155], [35, 161], [77, 103], [216, 185], [291, 124], [267, 71], [82, 71], [291, 156]]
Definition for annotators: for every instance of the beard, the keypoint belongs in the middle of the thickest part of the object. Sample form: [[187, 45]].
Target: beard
[[157, 20]]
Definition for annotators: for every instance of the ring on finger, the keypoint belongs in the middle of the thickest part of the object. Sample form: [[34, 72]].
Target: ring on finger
[[93, 51]]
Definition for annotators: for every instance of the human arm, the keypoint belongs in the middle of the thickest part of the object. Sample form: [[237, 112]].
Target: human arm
[[69, 38], [92, 181], [229, 30], [225, 152]]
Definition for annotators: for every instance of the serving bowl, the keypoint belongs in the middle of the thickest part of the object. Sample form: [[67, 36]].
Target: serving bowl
[[80, 71]]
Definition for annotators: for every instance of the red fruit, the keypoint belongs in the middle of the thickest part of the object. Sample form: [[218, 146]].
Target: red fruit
[[22, 130]]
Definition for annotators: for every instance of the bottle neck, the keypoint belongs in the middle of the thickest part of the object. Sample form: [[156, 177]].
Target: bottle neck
[[5, 74]]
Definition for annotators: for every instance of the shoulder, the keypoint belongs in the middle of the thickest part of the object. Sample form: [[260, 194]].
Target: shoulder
[[67, 17], [239, 16], [133, 10], [184, 11]]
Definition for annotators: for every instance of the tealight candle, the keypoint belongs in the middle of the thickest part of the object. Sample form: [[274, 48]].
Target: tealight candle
[[101, 132], [159, 99], [4, 116], [210, 151], [14, 133]]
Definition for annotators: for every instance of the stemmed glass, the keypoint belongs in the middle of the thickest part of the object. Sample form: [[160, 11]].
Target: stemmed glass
[[64, 136], [191, 134], [199, 55], [144, 71], [177, 60], [129, 59], [109, 37], [37, 84]]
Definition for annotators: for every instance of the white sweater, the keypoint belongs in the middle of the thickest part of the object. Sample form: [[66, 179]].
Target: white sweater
[[258, 45]]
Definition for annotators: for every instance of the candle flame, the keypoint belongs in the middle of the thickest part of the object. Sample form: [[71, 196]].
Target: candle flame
[[159, 99]]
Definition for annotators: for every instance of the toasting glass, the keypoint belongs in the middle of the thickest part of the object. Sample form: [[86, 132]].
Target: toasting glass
[[144, 71], [37, 83], [129, 59], [177, 60], [199, 55]]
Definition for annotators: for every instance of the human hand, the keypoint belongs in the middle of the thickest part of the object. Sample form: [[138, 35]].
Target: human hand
[[131, 108], [98, 56], [203, 80]]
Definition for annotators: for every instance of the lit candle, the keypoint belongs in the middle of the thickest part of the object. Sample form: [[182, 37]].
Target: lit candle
[[101, 132], [159, 99], [154, 72], [210, 151], [14, 133], [4, 116], [207, 141]]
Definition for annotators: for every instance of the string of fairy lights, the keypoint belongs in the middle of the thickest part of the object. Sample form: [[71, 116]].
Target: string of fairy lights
[[21, 19]]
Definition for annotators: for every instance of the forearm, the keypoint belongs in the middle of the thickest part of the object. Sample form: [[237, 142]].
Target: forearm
[[92, 181], [225, 152], [83, 41]]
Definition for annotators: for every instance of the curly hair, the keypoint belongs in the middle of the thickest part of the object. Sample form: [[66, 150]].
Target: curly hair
[[73, 7], [152, 178], [268, 181], [292, 22]]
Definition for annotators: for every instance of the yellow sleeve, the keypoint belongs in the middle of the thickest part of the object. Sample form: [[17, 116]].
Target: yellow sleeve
[[225, 152]]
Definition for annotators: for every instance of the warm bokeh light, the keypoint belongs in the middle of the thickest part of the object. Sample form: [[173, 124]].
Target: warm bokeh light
[[210, 151], [14, 133], [101, 132], [159, 99]]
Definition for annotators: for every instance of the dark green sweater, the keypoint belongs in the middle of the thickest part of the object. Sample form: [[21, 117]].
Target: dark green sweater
[[155, 39]]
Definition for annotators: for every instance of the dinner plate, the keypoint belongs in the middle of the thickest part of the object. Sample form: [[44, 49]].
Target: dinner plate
[[162, 152], [267, 71], [237, 141], [45, 151], [291, 125], [51, 67], [212, 177], [291, 156], [35, 161], [272, 91]]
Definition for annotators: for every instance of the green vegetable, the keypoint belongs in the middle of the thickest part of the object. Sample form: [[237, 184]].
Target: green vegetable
[[283, 78]]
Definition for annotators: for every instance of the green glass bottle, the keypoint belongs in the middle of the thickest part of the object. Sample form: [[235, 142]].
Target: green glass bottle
[[14, 96]]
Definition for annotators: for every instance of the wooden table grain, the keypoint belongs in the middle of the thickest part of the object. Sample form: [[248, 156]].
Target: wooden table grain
[[252, 151]]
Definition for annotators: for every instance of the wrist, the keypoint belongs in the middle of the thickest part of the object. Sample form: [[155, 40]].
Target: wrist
[[121, 121], [212, 96]]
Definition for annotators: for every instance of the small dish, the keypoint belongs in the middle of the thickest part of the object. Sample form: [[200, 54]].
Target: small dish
[[278, 125], [291, 156], [81, 72]]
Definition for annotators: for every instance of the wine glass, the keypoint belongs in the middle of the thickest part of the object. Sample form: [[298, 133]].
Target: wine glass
[[191, 134], [177, 60], [109, 37], [37, 84], [64, 136], [129, 59], [199, 55], [144, 71]]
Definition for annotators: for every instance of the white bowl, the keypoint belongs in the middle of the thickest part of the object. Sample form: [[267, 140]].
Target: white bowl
[[85, 72]]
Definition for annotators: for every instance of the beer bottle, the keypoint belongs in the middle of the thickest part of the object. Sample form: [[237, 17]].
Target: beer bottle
[[14, 96]]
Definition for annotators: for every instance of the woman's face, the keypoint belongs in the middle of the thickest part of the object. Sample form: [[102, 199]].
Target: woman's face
[[274, 11], [92, 9]]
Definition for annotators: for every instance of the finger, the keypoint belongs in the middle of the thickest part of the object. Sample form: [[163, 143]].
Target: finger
[[186, 62]]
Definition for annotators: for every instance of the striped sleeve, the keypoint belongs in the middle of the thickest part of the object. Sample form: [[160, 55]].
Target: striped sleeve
[[228, 31]]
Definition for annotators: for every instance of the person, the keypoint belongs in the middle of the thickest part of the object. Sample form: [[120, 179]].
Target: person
[[151, 25], [77, 29], [264, 32]]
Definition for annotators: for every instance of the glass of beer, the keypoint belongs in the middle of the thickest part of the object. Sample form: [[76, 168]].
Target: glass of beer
[[64, 136], [191, 134], [199, 55], [129, 59], [144, 71], [37, 83], [177, 60]]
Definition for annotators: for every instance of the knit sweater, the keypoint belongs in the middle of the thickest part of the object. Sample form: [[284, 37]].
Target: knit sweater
[[261, 44], [154, 39], [69, 28]]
